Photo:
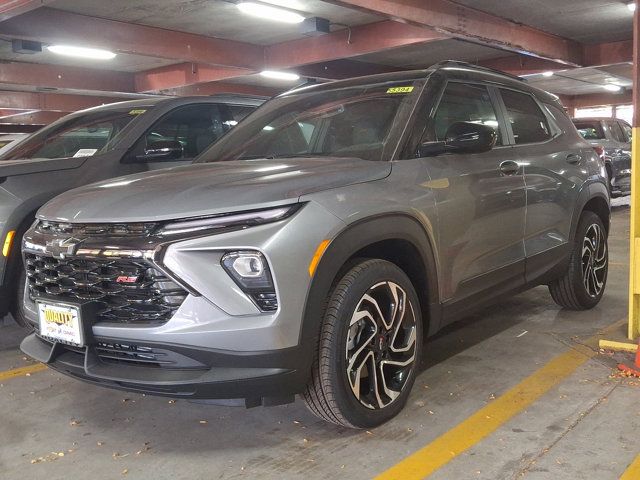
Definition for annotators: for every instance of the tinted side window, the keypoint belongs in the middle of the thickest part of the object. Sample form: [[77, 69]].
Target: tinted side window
[[616, 131], [239, 112], [527, 121], [590, 129], [194, 126], [462, 103]]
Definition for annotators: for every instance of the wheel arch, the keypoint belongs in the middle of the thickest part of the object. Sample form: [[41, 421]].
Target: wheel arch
[[20, 224], [594, 198], [398, 238]]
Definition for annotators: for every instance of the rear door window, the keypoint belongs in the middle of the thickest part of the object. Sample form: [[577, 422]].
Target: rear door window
[[627, 131], [616, 131], [528, 123]]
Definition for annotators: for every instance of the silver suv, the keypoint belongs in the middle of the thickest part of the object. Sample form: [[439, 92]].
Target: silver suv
[[313, 248]]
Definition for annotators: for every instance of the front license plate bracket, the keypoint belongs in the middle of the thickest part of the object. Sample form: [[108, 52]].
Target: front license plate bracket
[[87, 312]]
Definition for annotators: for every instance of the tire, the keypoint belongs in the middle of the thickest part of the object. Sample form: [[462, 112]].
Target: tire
[[17, 309], [356, 336], [584, 282]]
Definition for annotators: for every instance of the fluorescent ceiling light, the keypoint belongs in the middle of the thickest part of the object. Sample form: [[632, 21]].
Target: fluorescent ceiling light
[[547, 74], [280, 75], [270, 12], [632, 6], [612, 88], [82, 52]]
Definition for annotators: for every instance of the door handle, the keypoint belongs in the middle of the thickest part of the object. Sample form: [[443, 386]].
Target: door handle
[[509, 167], [573, 159]]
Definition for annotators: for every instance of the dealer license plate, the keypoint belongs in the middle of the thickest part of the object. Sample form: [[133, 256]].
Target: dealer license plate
[[60, 323]]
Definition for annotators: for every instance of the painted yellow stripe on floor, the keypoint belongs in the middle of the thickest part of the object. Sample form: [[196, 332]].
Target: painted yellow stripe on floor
[[488, 419], [22, 371], [633, 472]]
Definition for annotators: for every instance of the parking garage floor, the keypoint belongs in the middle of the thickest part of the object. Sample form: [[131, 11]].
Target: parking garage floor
[[517, 391]]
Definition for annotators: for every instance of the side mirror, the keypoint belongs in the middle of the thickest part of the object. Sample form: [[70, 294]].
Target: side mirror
[[463, 137], [467, 137], [162, 151]]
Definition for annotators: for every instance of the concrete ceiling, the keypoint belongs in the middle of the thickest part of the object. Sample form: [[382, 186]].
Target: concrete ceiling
[[587, 21], [216, 33], [583, 81], [425, 55], [123, 62], [214, 18]]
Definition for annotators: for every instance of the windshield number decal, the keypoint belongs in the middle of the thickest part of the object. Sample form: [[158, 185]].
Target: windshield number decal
[[137, 112], [400, 90]]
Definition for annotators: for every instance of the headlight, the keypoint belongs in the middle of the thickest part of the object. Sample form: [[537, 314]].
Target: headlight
[[250, 270], [242, 220]]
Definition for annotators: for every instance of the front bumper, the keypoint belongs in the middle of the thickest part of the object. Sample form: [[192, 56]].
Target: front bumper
[[262, 378], [239, 351], [621, 184]]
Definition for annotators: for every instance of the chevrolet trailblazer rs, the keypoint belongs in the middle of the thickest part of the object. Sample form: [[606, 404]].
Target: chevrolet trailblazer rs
[[314, 248]]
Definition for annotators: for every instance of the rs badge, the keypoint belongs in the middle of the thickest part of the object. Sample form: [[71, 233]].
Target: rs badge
[[126, 279]]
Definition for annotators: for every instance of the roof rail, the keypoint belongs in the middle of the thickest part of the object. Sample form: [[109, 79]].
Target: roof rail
[[458, 63]]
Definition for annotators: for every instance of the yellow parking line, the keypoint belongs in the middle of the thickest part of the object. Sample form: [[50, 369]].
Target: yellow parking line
[[19, 372], [489, 418], [633, 471]]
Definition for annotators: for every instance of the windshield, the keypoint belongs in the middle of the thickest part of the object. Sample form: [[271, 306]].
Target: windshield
[[347, 122], [590, 130], [82, 136]]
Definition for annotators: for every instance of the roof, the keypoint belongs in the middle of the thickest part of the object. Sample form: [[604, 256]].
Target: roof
[[160, 100], [452, 68]]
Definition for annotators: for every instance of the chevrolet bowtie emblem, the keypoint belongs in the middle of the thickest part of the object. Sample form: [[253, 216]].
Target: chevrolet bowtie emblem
[[61, 248]]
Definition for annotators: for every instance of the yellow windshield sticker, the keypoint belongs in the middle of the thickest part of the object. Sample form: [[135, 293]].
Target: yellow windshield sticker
[[400, 90], [137, 112]]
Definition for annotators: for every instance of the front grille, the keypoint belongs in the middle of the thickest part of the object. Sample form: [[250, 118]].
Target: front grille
[[125, 291], [83, 230]]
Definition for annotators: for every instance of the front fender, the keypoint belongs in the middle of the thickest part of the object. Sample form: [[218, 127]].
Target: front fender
[[354, 238]]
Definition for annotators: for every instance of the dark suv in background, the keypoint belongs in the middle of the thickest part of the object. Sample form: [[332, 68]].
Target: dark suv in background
[[96, 144], [312, 249], [613, 136]]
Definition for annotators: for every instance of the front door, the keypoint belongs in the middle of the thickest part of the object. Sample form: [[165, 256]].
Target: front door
[[479, 198]]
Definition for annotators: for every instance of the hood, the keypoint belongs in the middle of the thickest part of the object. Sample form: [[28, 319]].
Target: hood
[[208, 188], [9, 168]]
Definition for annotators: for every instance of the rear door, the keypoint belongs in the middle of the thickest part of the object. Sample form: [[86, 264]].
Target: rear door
[[553, 155], [480, 201]]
